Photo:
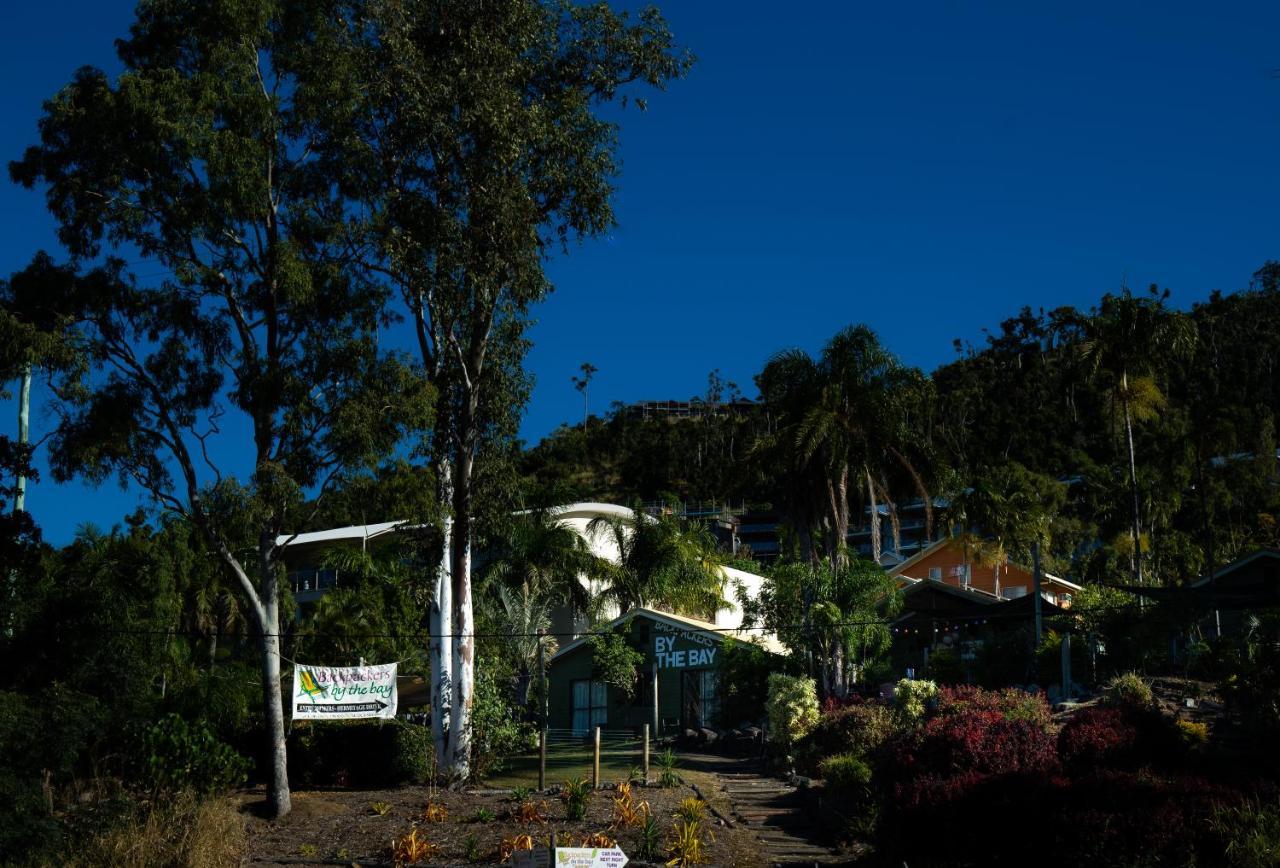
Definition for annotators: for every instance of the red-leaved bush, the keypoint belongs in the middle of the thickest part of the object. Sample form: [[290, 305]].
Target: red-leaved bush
[[1013, 704], [979, 741], [1109, 819], [1098, 738], [1119, 738]]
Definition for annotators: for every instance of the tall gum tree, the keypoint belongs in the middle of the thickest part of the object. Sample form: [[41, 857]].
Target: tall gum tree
[[252, 331], [476, 139]]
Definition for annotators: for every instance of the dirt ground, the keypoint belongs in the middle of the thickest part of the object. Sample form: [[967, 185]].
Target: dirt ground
[[342, 826]]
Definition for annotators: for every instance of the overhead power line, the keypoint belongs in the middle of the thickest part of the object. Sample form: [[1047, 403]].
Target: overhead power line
[[927, 618]]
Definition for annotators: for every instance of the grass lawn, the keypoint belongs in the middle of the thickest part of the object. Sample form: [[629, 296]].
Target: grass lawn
[[568, 763]]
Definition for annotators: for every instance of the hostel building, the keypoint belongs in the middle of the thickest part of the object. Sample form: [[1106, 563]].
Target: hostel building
[[677, 684]]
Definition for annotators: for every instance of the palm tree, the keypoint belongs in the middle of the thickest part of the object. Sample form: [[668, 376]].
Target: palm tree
[[845, 629], [525, 617], [544, 558], [1129, 339], [845, 415], [662, 563], [1007, 510], [372, 614]]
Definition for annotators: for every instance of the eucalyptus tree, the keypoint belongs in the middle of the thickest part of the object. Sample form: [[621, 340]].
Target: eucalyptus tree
[[240, 370], [474, 134], [663, 562], [1130, 340]]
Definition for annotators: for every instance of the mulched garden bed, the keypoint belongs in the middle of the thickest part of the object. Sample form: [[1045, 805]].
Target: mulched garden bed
[[342, 827]]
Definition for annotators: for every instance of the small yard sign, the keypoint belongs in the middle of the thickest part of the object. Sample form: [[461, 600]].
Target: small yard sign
[[590, 857], [344, 692]]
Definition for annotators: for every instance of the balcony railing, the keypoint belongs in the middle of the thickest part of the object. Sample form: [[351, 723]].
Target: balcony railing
[[304, 581]]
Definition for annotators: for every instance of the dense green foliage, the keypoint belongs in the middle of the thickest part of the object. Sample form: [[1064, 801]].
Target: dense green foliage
[[792, 708], [360, 754], [182, 755], [281, 166], [743, 668], [1033, 414], [831, 618]]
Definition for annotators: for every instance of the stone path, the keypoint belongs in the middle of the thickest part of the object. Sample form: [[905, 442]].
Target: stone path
[[777, 813]]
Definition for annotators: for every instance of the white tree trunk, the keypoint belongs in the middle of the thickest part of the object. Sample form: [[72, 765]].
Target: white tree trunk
[[439, 651], [463, 667], [273, 704]]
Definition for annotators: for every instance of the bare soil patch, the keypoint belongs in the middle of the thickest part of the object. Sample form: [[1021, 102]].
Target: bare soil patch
[[342, 826]]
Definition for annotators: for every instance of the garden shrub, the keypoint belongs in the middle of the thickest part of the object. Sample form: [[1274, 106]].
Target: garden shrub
[[1098, 738], [182, 755], [980, 741], [913, 697], [1049, 658], [54, 731], [1194, 733], [859, 729], [360, 754], [1118, 819], [497, 730], [946, 667], [1129, 690], [1110, 819], [792, 708], [1010, 703], [1121, 738], [846, 773], [1250, 833], [1253, 688], [1138, 819]]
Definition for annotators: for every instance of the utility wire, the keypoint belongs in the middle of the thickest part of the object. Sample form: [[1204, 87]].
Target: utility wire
[[922, 617]]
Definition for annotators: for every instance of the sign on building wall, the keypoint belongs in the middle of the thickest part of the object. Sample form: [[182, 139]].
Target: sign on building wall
[[344, 692], [668, 656]]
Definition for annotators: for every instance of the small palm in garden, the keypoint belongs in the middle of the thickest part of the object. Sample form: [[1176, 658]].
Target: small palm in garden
[[667, 764], [574, 794]]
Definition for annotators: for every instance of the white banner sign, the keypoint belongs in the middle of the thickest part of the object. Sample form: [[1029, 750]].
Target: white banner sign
[[344, 692]]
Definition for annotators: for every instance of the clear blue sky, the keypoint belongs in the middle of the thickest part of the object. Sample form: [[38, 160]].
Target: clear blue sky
[[926, 168]]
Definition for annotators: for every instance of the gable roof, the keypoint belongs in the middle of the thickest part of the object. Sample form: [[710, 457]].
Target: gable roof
[[970, 595], [679, 622], [896, 571], [1239, 563]]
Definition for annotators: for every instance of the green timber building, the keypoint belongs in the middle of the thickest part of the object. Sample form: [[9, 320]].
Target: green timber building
[[678, 682]]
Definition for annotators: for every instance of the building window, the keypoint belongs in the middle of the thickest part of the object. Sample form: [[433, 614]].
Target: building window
[[700, 701], [1013, 592], [590, 706], [935, 573], [642, 696]]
